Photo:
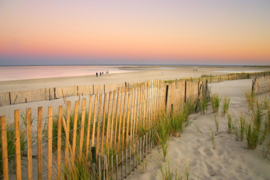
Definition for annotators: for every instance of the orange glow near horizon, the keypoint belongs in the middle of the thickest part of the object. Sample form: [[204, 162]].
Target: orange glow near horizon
[[162, 33]]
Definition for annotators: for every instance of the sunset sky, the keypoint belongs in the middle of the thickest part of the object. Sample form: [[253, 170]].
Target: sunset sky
[[134, 32]]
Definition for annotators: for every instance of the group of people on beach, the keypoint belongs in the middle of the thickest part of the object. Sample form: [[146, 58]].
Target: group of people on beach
[[101, 73]]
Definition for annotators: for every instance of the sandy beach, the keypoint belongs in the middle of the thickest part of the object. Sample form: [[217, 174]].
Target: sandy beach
[[142, 74], [230, 160]]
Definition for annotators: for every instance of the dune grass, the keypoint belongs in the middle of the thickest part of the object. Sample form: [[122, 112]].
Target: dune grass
[[235, 130], [162, 133], [203, 105], [80, 170], [250, 97], [242, 127], [215, 102], [176, 124], [216, 123], [252, 135], [226, 104], [229, 117], [197, 127], [176, 173], [212, 137]]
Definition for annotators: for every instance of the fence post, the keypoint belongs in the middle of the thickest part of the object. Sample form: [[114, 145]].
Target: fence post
[[82, 127], [171, 110], [185, 98], [88, 126], [54, 93], [166, 96], [74, 131], [4, 146], [103, 124], [98, 125], [206, 84], [9, 98], [50, 143], [29, 143]]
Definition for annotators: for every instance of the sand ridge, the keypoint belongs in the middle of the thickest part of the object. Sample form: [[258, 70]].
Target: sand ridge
[[230, 160]]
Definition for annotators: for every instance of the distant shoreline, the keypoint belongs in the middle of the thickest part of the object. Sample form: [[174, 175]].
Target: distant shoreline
[[138, 75]]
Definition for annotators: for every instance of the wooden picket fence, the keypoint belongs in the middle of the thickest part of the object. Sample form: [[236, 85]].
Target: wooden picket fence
[[106, 133]]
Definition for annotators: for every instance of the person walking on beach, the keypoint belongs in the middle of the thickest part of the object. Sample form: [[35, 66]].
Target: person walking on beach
[[100, 74], [96, 74]]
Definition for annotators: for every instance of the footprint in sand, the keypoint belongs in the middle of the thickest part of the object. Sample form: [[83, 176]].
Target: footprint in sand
[[210, 169], [206, 152], [219, 152]]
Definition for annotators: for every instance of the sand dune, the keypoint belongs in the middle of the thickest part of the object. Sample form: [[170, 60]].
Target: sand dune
[[230, 160]]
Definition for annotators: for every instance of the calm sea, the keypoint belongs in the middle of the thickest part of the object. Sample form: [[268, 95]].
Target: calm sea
[[8, 73]]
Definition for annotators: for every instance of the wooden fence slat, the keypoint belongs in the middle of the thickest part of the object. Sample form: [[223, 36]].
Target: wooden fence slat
[[116, 118], [144, 107], [94, 122], [88, 127], [132, 107], [137, 118], [98, 125], [74, 131], [40, 109], [50, 118], [108, 129], [140, 103], [29, 143], [103, 124], [4, 146], [67, 144], [124, 119], [120, 118], [59, 141], [17, 144], [128, 114], [112, 119], [82, 127]]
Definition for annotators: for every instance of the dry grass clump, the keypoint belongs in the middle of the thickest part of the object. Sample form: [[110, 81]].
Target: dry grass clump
[[162, 132], [203, 105], [215, 102], [252, 136], [250, 97], [78, 170], [168, 173], [257, 131], [226, 104], [229, 123], [242, 127], [216, 123], [142, 164], [10, 130], [236, 130], [212, 137], [176, 124]]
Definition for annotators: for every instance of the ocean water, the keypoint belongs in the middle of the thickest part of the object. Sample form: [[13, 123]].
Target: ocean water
[[8, 73]]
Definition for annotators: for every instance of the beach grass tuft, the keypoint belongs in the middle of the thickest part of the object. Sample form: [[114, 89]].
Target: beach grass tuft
[[215, 101], [216, 123], [229, 117], [226, 104], [252, 135], [242, 127], [212, 137]]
